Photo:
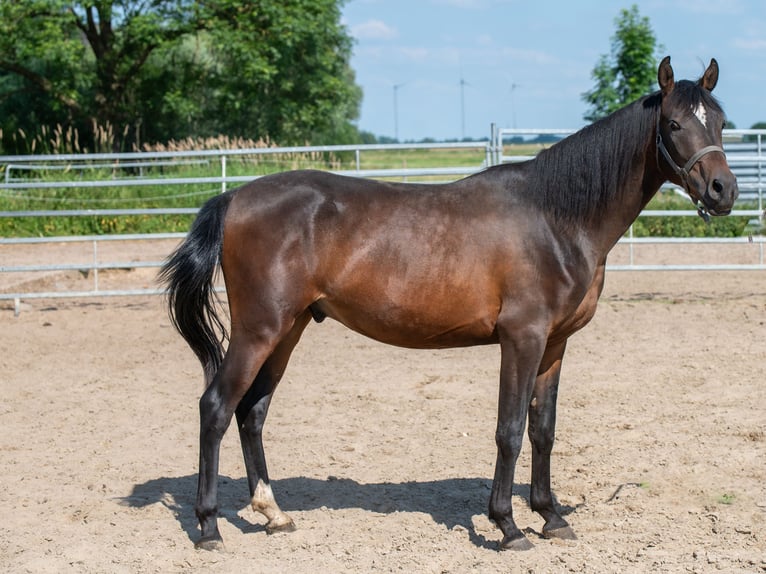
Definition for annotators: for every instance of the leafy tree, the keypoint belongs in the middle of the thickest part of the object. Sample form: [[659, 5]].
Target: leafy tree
[[629, 72], [38, 57], [754, 138], [155, 70], [292, 55]]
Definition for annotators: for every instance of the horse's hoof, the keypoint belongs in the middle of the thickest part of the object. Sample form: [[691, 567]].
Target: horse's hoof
[[277, 526], [562, 533], [517, 543], [210, 544]]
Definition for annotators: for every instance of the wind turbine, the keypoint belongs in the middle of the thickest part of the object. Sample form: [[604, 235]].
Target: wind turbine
[[463, 84], [514, 86], [396, 111]]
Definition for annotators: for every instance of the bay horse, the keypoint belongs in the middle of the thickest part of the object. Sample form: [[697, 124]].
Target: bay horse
[[513, 255]]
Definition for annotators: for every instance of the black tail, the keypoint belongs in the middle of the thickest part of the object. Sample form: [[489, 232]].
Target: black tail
[[189, 274]]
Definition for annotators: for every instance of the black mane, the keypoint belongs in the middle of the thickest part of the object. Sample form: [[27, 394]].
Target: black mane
[[582, 173], [577, 177]]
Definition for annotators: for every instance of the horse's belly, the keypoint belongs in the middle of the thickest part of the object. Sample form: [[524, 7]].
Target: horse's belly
[[417, 329]]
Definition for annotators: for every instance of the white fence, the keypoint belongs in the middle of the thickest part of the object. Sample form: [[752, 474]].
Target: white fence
[[748, 160]]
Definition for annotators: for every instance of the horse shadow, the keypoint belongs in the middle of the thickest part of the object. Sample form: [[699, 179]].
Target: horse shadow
[[452, 502]]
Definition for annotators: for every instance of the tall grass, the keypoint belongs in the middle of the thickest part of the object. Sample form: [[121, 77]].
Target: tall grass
[[66, 140]]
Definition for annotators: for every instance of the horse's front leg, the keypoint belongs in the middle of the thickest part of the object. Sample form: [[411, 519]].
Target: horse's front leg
[[521, 351], [542, 430]]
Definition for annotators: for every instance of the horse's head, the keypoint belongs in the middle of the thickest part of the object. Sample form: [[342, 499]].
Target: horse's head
[[689, 131]]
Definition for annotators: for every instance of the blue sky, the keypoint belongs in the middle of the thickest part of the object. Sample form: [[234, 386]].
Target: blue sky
[[526, 63]]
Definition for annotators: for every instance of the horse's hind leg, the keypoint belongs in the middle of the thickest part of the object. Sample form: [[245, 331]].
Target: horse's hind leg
[[251, 416], [244, 358], [542, 427]]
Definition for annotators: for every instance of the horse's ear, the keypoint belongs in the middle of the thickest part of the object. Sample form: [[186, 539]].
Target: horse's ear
[[710, 78], [665, 76]]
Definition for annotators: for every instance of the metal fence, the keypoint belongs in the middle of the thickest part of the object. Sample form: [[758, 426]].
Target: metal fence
[[744, 149]]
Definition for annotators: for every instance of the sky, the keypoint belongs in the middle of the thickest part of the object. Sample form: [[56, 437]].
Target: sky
[[526, 63]]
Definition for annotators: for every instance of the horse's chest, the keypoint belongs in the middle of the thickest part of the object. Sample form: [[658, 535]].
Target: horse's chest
[[580, 311]]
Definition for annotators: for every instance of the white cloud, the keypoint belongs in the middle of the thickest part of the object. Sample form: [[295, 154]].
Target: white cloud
[[750, 44], [374, 30], [528, 56], [471, 4], [414, 53], [484, 40], [461, 3], [712, 6]]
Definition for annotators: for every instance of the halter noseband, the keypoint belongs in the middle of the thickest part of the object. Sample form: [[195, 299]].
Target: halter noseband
[[683, 172]]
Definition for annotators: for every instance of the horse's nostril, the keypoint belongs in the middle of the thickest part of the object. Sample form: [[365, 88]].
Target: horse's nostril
[[717, 186]]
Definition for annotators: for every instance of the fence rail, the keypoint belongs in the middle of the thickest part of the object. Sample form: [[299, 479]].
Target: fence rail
[[745, 151]]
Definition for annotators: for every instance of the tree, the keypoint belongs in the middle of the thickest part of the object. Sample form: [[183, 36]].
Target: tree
[[629, 72], [155, 70], [754, 138], [294, 57]]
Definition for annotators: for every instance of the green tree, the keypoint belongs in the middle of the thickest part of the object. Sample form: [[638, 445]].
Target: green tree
[[155, 70], [293, 55], [629, 72], [754, 138]]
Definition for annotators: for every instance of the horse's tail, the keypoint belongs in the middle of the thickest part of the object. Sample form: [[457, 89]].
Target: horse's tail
[[189, 275]]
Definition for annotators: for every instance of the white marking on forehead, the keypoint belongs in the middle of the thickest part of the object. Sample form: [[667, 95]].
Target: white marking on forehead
[[701, 114]]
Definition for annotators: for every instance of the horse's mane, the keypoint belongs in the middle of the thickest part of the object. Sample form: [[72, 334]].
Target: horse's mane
[[577, 177]]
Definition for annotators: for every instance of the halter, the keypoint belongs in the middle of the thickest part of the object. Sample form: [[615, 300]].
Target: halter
[[683, 172]]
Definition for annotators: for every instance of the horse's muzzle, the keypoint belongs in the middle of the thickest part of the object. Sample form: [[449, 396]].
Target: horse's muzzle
[[720, 193]]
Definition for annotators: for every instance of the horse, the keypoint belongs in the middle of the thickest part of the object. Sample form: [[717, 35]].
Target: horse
[[513, 255]]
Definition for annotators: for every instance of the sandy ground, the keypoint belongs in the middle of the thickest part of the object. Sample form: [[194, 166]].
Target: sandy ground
[[384, 456]]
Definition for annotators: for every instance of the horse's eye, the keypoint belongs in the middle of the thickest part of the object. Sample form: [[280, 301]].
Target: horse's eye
[[674, 125]]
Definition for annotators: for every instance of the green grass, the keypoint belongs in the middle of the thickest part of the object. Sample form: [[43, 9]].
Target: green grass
[[727, 498], [651, 226], [422, 158]]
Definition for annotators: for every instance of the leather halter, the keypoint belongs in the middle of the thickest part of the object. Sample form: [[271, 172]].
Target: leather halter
[[683, 172]]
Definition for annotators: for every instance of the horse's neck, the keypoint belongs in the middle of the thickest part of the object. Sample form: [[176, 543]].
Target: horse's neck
[[626, 209], [641, 183]]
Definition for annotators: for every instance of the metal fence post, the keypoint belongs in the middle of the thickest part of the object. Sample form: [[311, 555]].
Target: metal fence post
[[223, 174], [95, 266], [760, 180]]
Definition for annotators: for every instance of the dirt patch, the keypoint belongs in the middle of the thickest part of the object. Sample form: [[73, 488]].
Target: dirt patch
[[384, 456]]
